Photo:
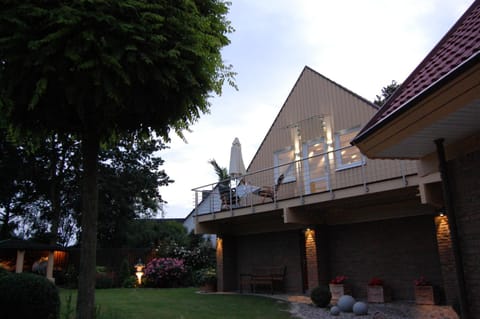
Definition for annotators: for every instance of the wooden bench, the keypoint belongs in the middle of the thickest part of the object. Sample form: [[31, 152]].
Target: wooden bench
[[271, 277]]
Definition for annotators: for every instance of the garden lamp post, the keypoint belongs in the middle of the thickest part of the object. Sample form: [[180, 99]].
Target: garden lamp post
[[139, 266]]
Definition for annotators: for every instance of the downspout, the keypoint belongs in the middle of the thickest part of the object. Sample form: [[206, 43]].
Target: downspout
[[450, 212]]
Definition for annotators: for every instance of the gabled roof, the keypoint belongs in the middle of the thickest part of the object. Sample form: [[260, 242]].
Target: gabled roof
[[457, 47], [302, 74]]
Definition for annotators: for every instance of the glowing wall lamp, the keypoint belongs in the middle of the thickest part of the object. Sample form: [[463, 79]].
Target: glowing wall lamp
[[139, 266]]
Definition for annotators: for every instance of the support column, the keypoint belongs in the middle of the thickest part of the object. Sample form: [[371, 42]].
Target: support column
[[226, 264], [20, 258], [50, 262], [219, 258], [447, 259], [311, 258], [451, 214]]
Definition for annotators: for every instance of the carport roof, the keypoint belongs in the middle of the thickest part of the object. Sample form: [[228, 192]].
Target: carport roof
[[20, 244]]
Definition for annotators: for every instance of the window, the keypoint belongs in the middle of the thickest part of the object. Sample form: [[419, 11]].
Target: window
[[316, 166], [284, 164], [346, 155]]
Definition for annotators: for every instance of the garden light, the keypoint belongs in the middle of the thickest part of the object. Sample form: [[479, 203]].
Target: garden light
[[139, 266]]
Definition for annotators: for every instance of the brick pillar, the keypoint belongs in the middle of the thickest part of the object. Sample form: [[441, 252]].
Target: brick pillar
[[311, 258], [226, 264], [219, 257], [447, 261]]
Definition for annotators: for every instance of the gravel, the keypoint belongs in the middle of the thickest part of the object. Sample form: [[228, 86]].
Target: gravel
[[393, 310]]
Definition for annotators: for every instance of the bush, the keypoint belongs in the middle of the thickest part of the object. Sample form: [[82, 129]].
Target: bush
[[129, 282], [205, 276], [321, 296], [104, 279], [3, 272], [165, 272], [125, 272], [71, 277], [28, 295]]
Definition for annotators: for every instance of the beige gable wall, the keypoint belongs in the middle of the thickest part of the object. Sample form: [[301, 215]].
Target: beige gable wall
[[313, 98]]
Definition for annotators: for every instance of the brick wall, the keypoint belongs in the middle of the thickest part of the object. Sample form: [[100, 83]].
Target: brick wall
[[226, 263], [447, 261], [396, 251], [311, 258], [273, 249], [465, 179]]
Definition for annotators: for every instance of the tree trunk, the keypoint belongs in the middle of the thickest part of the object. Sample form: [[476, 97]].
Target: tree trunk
[[88, 241]]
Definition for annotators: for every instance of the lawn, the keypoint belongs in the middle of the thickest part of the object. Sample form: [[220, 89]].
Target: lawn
[[178, 303]]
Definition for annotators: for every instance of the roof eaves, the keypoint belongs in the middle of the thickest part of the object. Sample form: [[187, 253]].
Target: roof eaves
[[475, 58]]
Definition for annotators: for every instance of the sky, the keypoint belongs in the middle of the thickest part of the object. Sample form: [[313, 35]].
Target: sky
[[361, 45]]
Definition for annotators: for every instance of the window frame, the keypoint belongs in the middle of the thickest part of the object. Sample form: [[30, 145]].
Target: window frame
[[339, 165], [289, 174]]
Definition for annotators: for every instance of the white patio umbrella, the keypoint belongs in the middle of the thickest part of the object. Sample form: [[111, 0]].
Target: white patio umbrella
[[237, 168]]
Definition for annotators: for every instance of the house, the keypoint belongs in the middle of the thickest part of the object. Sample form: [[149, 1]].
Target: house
[[314, 204], [434, 118]]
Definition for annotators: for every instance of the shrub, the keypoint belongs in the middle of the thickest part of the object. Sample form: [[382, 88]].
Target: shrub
[[130, 282], [125, 271], [165, 272], [71, 277], [3, 272], [104, 279], [205, 276], [28, 296], [321, 296]]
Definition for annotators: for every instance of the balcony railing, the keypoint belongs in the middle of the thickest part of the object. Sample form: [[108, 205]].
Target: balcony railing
[[303, 177]]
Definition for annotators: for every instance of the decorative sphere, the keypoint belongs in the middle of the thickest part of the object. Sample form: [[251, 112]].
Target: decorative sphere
[[360, 308], [345, 303], [334, 311]]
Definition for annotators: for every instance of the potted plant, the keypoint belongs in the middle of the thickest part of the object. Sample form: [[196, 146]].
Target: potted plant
[[424, 293], [377, 292], [338, 288], [207, 279]]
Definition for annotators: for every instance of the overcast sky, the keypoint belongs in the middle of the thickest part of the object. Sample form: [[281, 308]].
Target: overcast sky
[[362, 45]]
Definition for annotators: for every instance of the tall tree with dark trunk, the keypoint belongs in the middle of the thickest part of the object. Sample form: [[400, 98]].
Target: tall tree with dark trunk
[[102, 69]]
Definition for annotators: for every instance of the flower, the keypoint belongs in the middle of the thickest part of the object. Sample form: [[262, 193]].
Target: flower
[[338, 280], [375, 282], [421, 281]]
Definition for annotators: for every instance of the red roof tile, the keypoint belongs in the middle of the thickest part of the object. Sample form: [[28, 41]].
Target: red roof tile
[[459, 44]]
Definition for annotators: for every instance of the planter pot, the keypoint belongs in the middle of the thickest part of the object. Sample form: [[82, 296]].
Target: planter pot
[[338, 290], [424, 295], [378, 294]]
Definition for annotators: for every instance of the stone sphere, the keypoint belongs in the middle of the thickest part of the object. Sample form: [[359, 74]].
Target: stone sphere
[[334, 311], [345, 303], [360, 308]]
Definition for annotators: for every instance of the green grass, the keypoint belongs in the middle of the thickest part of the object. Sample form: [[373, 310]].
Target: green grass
[[176, 303]]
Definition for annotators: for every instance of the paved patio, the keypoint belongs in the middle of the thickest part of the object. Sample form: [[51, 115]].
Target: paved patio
[[301, 307]]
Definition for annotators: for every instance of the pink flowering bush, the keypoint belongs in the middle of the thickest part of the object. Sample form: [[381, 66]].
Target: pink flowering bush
[[165, 272]]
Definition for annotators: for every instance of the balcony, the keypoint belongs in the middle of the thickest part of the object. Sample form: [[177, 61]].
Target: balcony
[[306, 182]]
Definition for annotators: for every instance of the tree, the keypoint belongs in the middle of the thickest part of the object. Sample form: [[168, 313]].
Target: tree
[[16, 189], [387, 91], [103, 69], [221, 172], [129, 181]]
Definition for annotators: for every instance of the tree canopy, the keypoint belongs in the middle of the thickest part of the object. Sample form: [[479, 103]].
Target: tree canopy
[[387, 91], [112, 66], [100, 69]]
